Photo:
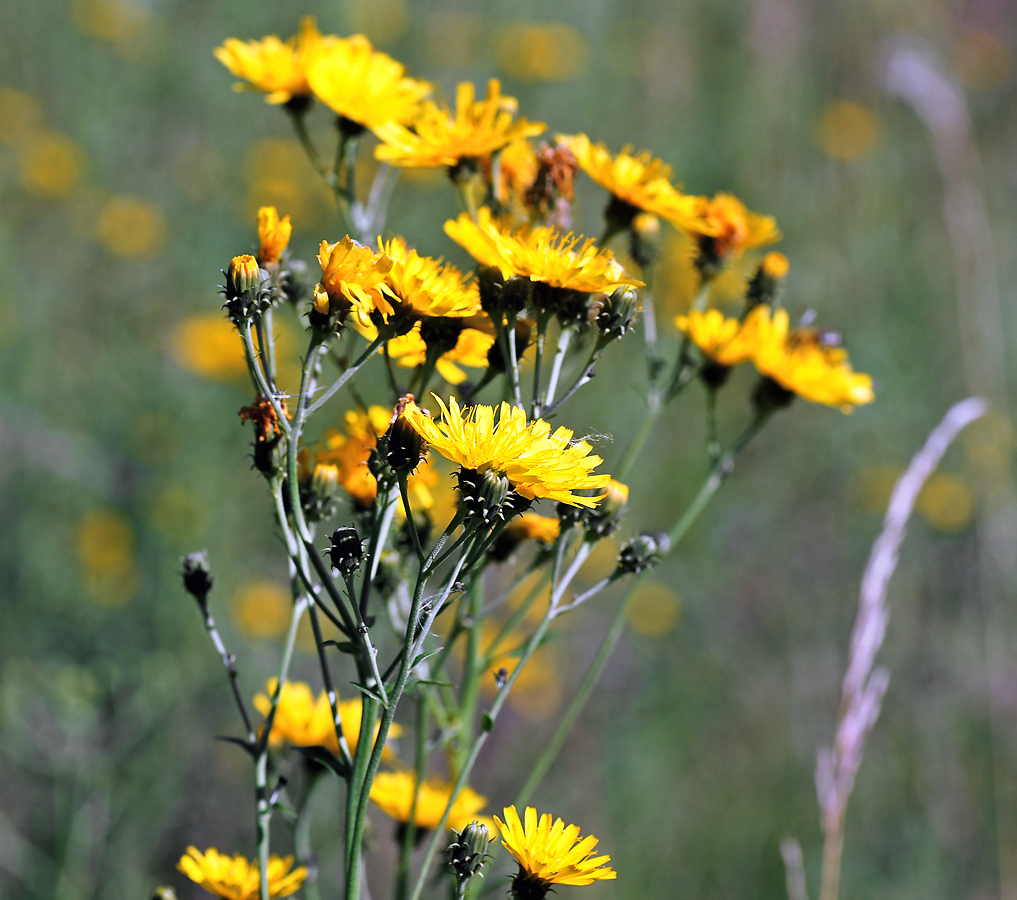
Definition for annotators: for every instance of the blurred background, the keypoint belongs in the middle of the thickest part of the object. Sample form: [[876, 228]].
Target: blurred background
[[882, 135]]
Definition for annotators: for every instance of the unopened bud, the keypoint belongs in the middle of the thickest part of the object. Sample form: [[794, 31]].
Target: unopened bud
[[642, 552], [347, 551], [767, 282], [483, 493], [468, 852], [616, 312], [243, 288], [402, 445], [197, 575], [604, 519]]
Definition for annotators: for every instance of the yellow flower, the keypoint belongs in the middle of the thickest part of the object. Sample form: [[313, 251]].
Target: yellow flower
[[422, 286], [517, 170], [350, 452], [237, 879], [472, 346], [723, 228], [303, 720], [726, 341], [534, 527], [362, 84], [808, 363], [393, 793], [549, 853], [440, 138], [539, 254], [535, 461], [51, 164], [352, 280], [132, 227], [261, 609], [637, 182], [273, 235], [276, 68]]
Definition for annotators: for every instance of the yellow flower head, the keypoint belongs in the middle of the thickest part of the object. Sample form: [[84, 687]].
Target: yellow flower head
[[533, 527], [273, 235], [726, 341], [234, 878], [275, 67], [471, 349], [535, 461], [362, 84], [639, 182], [808, 363], [517, 170], [539, 254], [438, 137], [422, 286], [350, 450], [352, 279], [723, 227], [303, 720], [549, 853], [393, 793]]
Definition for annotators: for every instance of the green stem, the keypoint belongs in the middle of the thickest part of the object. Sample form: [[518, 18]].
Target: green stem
[[538, 362], [712, 435], [254, 367], [559, 357], [473, 667], [409, 836], [714, 480], [346, 376]]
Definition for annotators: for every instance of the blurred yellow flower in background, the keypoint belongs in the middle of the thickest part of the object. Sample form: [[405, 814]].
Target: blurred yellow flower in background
[[262, 609], [305, 720], [132, 227], [655, 610], [208, 344], [723, 228], [946, 500], [121, 22], [20, 115], [471, 350], [277, 174], [847, 131], [104, 543], [51, 164], [383, 21], [392, 793], [234, 878], [541, 51]]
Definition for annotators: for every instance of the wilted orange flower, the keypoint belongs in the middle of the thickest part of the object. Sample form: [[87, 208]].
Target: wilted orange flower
[[262, 415]]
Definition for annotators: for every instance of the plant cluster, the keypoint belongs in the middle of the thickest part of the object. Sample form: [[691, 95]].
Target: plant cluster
[[454, 385]]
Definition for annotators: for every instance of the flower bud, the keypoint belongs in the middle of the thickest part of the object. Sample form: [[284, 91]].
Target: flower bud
[[468, 852], [615, 313], [483, 493], [604, 519], [197, 575], [243, 288], [644, 239], [402, 446], [347, 551], [317, 493], [767, 282], [642, 552]]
